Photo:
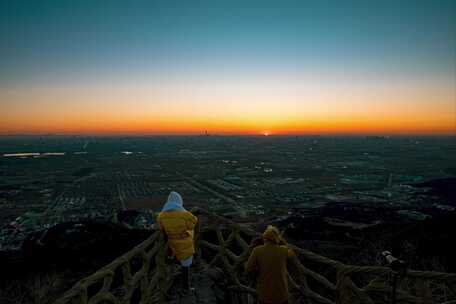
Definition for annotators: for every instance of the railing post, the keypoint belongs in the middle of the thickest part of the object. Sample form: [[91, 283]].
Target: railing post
[[424, 291], [162, 269]]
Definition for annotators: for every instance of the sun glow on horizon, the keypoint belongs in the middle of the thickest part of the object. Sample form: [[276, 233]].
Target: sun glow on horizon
[[228, 68], [245, 106]]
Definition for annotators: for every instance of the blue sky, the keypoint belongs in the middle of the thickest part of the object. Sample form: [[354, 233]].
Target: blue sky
[[41, 37], [237, 66]]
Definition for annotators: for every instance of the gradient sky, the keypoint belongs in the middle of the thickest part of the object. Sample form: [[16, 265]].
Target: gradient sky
[[242, 67]]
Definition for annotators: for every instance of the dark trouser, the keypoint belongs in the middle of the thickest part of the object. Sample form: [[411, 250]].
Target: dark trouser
[[185, 277]]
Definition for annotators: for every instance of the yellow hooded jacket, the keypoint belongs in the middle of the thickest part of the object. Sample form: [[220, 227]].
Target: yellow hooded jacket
[[178, 226]]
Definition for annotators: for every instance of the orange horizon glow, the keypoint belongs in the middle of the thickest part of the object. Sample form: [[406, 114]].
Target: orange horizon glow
[[195, 127], [232, 68], [226, 108]]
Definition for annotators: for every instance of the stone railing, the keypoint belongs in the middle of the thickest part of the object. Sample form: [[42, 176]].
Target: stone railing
[[139, 276], [143, 276]]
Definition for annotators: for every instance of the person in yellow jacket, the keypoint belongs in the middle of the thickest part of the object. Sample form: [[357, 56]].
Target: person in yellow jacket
[[178, 225], [269, 262]]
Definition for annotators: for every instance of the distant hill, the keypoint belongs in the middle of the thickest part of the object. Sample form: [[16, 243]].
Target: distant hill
[[443, 187], [424, 245]]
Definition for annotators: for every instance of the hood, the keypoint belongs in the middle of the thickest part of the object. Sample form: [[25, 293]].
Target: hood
[[272, 235], [174, 202]]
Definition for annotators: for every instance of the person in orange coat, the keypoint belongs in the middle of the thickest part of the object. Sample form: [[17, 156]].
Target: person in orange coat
[[178, 224], [269, 262]]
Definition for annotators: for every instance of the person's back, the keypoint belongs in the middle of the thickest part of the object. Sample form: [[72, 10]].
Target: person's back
[[178, 224], [269, 261]]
